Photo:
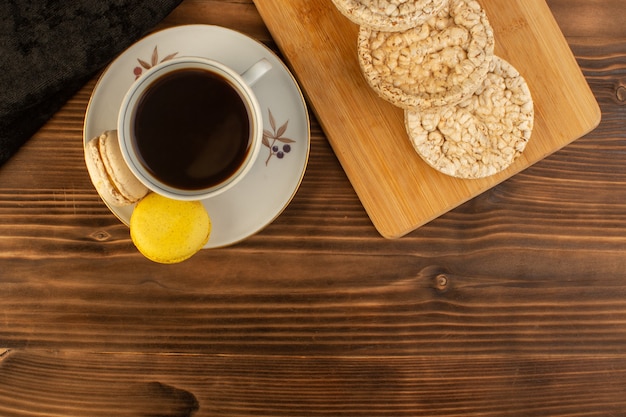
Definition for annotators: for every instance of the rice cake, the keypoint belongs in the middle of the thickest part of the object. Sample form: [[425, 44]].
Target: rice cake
[[482, 135], [438, 63], [389, 15]]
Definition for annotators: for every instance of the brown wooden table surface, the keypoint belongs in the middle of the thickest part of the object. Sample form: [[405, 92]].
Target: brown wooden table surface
[[513, 304]]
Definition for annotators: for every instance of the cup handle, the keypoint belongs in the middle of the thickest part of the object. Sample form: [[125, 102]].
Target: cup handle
[[256, 71]]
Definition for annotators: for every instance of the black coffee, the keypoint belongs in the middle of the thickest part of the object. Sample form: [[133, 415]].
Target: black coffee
[[191, 129]]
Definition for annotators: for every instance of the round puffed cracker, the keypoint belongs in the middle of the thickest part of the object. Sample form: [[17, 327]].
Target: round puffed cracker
[[482, 135], [389, 15], [439, 63]]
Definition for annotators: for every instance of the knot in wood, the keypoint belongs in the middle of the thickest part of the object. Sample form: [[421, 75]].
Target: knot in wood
[[441, 282], [100, 235], [621, 94]]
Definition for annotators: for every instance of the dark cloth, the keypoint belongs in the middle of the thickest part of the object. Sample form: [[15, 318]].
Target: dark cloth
[[50, 48]]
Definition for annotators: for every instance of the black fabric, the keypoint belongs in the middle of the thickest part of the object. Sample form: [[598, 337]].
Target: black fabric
[[50, 49]]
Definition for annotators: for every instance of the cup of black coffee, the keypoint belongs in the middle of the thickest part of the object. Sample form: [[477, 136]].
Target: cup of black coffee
[[191, 128]]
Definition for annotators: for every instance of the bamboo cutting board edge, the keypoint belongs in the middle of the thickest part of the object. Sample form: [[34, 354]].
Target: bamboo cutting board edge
[[397, 189]]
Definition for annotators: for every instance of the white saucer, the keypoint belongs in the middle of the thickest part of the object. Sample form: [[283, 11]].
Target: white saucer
[[258, 199]]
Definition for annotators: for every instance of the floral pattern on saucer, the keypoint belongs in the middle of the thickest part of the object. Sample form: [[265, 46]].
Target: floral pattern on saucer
[[277, 144], [154, 60]]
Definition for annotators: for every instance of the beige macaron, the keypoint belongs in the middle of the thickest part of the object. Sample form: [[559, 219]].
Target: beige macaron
[[112, 178]]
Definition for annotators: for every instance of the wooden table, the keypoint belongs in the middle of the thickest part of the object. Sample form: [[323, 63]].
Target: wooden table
[[513, 304]]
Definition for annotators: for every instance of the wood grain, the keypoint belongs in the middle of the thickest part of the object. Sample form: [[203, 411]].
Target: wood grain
[[399, 191], [512, 304], [173, 385]]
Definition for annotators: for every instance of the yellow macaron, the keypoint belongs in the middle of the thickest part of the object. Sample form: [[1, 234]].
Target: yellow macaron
[[169, 231]]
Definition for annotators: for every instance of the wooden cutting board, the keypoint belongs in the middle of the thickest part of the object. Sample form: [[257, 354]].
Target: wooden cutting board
[[399, 191]]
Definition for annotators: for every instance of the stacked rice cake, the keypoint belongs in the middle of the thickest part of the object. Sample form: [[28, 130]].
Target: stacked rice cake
[[468, 113]]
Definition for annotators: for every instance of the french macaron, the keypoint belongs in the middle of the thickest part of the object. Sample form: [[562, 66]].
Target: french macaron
[[109, 173], [169, 231]]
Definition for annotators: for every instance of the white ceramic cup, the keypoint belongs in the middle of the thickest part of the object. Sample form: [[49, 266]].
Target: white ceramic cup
[[241, 83]]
